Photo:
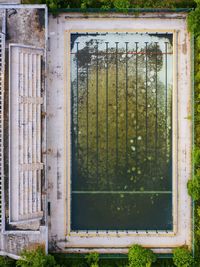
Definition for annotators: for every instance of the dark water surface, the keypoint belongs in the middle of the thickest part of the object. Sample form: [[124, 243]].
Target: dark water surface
[[121, 86]]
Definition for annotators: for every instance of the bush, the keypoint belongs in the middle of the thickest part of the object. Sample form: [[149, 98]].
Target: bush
[[194, 187], [182, 257], [122, 5], [92, 259], [194, 184], [193, 21], [6, 262], [36, 258], [140, 257]]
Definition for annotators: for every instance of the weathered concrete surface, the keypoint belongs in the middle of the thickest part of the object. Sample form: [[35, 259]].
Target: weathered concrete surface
[[10, 1], [25, 25], [15, 241], [58, 129]]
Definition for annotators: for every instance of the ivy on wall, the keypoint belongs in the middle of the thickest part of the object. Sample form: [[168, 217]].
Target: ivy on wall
[[194, 183]]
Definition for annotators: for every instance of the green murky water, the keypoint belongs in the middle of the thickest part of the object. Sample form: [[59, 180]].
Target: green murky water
[[121, 86]]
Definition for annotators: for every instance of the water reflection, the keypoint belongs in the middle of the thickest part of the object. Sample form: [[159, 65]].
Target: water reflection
[[121, 128]]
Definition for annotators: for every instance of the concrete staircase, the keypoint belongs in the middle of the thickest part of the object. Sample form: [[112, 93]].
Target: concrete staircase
[[25, 133]]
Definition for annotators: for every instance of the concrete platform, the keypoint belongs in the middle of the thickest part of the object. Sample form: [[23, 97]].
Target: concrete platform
[[58, 129]]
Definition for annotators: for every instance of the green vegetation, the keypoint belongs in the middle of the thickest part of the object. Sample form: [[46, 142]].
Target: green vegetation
[[194, 20], [92, 259], [119, 5], [194, 183], [81, 260], [36, 258], [140, 257], [182, 257], [6, 262]]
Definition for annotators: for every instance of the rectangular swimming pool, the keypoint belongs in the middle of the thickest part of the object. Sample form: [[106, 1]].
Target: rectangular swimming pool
[[121, 131]]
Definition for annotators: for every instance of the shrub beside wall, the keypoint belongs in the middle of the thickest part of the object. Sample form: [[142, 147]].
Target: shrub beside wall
[[117, 4], [194, 183], [182, 257]]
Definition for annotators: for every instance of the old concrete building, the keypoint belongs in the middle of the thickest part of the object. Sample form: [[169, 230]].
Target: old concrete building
[[95, 130]]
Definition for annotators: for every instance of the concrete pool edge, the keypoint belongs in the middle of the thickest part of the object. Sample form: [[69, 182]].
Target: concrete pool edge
[[74, 242]]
